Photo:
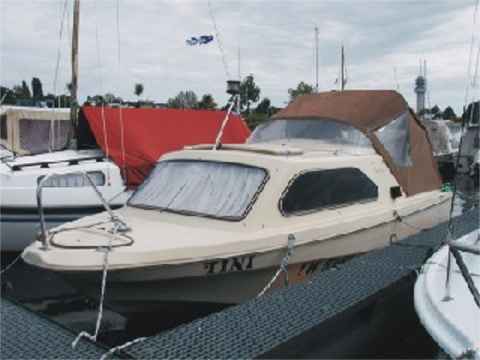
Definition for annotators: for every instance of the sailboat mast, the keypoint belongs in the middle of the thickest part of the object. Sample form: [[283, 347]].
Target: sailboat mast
[[343, 70], [316, 59], [74, 82]]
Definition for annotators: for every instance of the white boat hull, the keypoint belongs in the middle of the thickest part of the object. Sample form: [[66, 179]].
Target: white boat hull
[[19, 179], [237, 279], [453, 323]]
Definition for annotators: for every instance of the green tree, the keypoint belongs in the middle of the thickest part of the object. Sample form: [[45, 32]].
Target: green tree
[[138, 90], [7, 96], [249, 92], [449, 114], [37, 89], [301, 89], [22, 91], [184, 100], [63, 101], [435, 110], [207, 102], [255, 118], [263, 106], [26, 90], [111, 98]]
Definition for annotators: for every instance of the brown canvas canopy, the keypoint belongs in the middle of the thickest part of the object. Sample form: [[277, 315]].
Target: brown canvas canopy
[[384, 116]]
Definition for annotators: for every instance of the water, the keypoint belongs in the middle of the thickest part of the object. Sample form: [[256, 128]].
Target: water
[[50, 295]]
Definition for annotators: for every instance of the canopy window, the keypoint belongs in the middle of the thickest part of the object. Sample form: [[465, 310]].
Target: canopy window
[[43, 136], [383, 116], [321, 131], [28, 131], [395, 138], [204, 188]]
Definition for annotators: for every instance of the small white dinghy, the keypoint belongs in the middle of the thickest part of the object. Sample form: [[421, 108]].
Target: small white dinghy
[[450, 315]]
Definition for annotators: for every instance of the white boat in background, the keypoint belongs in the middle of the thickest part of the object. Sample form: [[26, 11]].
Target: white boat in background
[[451, 316], [32, 141], [469, 156], [445, 138], [331, 176]]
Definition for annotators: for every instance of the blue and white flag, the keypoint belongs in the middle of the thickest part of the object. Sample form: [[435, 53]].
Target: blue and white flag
[[200, 40]]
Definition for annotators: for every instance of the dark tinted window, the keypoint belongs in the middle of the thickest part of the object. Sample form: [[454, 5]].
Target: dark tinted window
[[3, 127], [326, 188]]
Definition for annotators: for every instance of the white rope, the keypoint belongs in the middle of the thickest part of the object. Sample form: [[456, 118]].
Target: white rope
[[105, 140], [123, 346], [122, 144], [102, 297], [283, 266], [219, 40]]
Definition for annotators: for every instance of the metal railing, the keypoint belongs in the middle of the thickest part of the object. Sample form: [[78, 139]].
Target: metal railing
[[455, 250], [121, 226]]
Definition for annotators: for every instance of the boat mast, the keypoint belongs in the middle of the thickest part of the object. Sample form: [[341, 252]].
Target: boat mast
[[316, 59], [74, 82]]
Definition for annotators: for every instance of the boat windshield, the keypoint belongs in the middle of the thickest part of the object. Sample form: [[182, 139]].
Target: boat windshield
[[203, 188], [322, 131]]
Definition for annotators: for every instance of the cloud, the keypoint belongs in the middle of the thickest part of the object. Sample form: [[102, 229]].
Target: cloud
[[275, 38]]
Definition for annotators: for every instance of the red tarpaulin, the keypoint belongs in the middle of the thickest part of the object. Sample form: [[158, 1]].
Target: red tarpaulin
[[150, 133]]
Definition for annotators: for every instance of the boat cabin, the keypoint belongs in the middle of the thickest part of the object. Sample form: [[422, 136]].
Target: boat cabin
[[32, 130]]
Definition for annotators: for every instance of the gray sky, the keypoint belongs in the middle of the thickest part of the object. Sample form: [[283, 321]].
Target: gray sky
[[276, 39]]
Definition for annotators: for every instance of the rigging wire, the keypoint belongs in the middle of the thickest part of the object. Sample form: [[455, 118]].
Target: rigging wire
[[118, 30], [59, 52], [471, 79], [219, 40], [470, 57]]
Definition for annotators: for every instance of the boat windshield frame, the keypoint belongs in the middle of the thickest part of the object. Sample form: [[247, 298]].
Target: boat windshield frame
[[245, 212]]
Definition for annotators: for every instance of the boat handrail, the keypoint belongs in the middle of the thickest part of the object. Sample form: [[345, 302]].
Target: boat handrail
[[455, 250], [121, 226], [46, 164]]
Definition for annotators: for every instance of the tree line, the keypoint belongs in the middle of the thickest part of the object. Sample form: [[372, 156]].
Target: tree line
[[436, 113], [254, 108]]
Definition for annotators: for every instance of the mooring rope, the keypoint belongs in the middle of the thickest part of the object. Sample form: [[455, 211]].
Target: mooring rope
[[102, 298], [10, 265], [123, 346], [283, 266]]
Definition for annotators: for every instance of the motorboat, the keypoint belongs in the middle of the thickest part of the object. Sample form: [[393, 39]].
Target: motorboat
[[34, 144], [331, 176], [447, 308]]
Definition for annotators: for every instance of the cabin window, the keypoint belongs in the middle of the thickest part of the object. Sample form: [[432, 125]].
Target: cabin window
[[395, 138], [315, 190], [313, 132], [3, 126], [74, 180], [203, 188]]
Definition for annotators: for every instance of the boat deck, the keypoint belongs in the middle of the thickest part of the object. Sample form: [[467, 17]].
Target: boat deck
[[286, 323]]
